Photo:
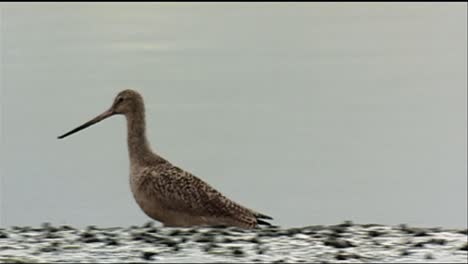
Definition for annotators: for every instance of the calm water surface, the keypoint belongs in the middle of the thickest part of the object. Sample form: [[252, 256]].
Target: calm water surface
[[314, 113]]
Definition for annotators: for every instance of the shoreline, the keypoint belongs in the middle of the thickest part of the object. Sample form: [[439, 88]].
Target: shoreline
[[346, 242]]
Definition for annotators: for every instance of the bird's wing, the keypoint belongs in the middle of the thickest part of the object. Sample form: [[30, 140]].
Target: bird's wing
[[182, 191]]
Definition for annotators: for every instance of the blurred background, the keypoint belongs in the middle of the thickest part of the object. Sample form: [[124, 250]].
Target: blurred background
[[313, 113]]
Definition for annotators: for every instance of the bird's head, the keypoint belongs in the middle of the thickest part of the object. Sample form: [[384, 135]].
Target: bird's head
[[126, 102]]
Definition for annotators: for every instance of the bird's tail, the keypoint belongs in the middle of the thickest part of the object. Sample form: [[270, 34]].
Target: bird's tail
[[259, 218]]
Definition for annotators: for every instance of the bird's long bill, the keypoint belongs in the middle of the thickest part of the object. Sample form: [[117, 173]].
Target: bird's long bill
[[91, 122]]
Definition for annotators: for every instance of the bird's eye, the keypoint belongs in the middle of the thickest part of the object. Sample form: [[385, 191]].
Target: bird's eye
[[120, 100]]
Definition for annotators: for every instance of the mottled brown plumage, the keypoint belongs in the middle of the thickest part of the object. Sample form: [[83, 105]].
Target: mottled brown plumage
[[165, 192]]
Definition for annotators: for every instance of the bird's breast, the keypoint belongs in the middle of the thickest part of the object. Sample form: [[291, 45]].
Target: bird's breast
[[147, 198]]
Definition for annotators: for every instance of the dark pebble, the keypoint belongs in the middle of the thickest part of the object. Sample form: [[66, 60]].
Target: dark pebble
[[347, 223], [374, 233], [91, 228], [337, 243], [203, 239], [152, 230], [147, 255], [464, 247], [169, 242], [338, 229], [292, 231], [227, 240], [110, 234], [334, 235], [148, 238], [370, 225], [463, 232], [48, 249], [6, 248], [138, 237], [428, 256], [3, 235], [403, 226], [55, 244], [419, 244], [437, 241], [254, 240], [66, 228], [341, 256], [112, 242], [176, 248], [405, 252], [52, 235], [344, 256], [193, 231], [87, 235], [175, 232], [418, 232], [91, 240], [53, 229], [237, 252]]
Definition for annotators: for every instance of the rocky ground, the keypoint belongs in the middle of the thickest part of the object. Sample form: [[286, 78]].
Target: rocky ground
[[345, 242]]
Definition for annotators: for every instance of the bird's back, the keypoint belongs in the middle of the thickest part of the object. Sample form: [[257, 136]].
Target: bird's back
[[178, 198]]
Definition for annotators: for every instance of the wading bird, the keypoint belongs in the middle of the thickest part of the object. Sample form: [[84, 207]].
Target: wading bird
[[164, 192]]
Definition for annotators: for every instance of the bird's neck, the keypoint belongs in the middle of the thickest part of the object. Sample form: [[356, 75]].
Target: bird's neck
[[139, 149]]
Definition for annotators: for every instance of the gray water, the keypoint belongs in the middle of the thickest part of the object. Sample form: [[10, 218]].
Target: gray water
[[313, 113]]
